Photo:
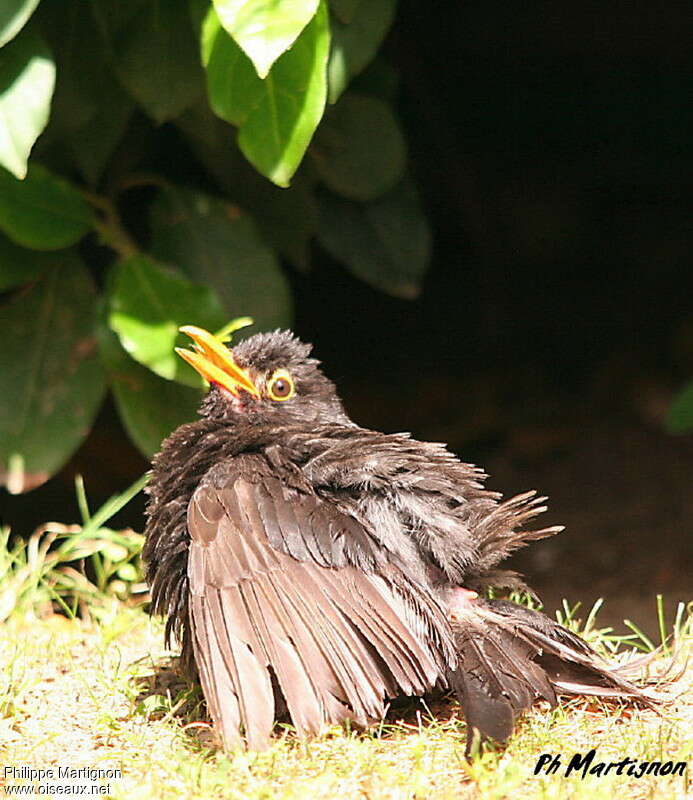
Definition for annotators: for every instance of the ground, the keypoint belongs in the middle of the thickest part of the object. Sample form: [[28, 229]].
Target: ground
[[102, 693]]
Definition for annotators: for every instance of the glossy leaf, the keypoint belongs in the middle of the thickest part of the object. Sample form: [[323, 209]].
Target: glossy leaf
[[345, 9], [359, 151], [386, 242], [112, 17], [265, 30], [233, 86], [19, 266], [43, 211], [380, 79], [148, 303], [94, 143], [198, 9], [680, 416], [355, 44], [73, 39], [157, 61], [278, 115], [27, 80], [217, 244], [90, 107], [14, 15], [208, 137], [149, 407], [277, 132], [49, 358], [287, 218]]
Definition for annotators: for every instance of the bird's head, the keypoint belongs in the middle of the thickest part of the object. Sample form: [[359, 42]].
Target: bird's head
[[268, 377]]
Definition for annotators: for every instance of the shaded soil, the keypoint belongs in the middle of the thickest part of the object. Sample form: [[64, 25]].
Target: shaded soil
[[624, 492]]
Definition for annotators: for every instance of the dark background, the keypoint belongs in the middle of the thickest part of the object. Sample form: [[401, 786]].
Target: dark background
[[553, 149]]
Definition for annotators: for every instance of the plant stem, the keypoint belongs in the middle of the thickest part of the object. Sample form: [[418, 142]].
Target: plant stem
[[110, 227]]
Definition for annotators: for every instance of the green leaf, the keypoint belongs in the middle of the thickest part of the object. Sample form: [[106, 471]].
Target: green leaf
[[386, 243], [217, 244], [379, 79], [92, 145], [355, 44], [264, 30], [90, 108], [680, 416], [287, 218], [157, 61], [233, 86], [278, 115], [49, 358], [350, 159], [14, 15], [113, 16], [150, 407], [277, 132], [74, 41], [43, 211], [198, 11], [27, 79], [148, 303], [226, 333], [345, 9], [128, 572], [19, 266]]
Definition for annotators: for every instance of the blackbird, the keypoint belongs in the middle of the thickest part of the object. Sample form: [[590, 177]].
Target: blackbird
[[311, 565]]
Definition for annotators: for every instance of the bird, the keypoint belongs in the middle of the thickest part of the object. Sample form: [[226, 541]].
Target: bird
[[310, 566]]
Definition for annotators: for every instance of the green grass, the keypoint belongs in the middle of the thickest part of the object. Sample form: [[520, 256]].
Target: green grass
[[103, 693], [76, 567], [93, 686]]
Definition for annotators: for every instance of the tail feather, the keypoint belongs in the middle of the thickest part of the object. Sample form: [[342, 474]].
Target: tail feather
[[500, 532], [511, 656]]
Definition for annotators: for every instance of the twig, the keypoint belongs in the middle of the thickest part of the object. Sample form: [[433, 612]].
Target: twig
[[110, 227]]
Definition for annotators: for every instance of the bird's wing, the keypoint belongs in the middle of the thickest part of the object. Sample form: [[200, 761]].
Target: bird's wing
[[278, 605]]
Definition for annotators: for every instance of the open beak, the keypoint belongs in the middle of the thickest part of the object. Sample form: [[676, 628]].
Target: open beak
[[215, 362]]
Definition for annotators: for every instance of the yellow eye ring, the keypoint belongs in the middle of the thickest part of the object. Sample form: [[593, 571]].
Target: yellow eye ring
[[280, 386]]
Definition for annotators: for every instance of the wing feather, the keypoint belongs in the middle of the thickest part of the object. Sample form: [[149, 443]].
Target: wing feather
[[218, 689], [343, 661], [276, 595]]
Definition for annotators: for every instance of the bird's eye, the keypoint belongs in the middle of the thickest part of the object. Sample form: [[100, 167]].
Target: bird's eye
[[281, 386]]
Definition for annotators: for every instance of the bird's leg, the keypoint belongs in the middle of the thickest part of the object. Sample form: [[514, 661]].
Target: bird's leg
[[460, 600]]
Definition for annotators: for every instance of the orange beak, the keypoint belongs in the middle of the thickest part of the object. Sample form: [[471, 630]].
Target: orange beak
[[215, 362]]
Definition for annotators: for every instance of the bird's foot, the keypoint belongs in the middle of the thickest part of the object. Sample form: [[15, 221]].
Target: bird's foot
[[460, 600]]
